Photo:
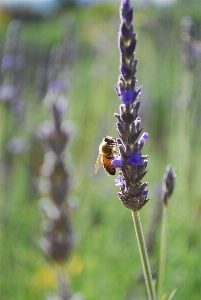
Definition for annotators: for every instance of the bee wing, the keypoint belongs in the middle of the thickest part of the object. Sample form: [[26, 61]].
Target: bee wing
[[98, 163]]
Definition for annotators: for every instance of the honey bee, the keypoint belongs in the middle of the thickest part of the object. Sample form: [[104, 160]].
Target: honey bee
[[106, 155]]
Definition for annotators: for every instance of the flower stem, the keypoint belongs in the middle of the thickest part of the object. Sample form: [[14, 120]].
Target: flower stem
[[144, 256], [163, 242], [62, 284]]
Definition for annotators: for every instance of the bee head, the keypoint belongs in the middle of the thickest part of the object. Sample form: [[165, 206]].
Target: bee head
[[110, 140]]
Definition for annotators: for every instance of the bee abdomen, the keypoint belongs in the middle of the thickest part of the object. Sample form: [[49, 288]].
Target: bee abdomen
[[110, 169]]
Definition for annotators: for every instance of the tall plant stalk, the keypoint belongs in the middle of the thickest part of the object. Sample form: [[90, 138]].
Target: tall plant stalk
[[163, 244], [132, 163], [167, 190], [144, 256]]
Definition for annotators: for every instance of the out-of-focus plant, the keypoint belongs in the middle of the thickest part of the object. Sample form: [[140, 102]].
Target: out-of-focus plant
[[57, 237], [51, 74], [12, 68], [12, 109], [190, 46], [11, 91], [167, 190]]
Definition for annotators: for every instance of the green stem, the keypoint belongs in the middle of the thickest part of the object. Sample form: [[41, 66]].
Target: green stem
[[172, 294], [62, 285], [144, 256], [163, 243]]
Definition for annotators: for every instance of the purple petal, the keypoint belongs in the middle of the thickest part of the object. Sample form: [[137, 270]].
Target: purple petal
[[7, 62], [135, 159], [144, 193], [117, 90], [126, 72], [7, 92], [137, 92], [117, 161], [143, 138], [126, 32], [119, 182], [126, 96], [125, 5], [55, 85]]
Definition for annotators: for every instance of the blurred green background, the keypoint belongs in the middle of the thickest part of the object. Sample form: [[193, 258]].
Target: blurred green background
[[104, 263]]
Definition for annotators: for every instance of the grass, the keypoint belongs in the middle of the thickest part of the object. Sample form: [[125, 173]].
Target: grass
[[105, 262]]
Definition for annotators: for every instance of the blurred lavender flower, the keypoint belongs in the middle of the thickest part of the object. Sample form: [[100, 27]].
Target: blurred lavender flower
[[7, 93], [190, 46], [8, 62], [169, 179], [12, 68], [54, 69], [57, 239], [132, 163], [54, 183]]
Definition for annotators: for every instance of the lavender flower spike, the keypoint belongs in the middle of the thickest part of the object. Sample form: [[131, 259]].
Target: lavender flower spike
[[169, 179], [133, 193]]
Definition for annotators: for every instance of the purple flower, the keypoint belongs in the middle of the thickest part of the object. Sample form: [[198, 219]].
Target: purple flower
[[137, 91], [194, 51], [117, 161], [125, 5], [7, 62], [7, 92], [143, 138], [144, 193], [126, 72], [127, 96], [119, 182], [55, 86], [135, 159]]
